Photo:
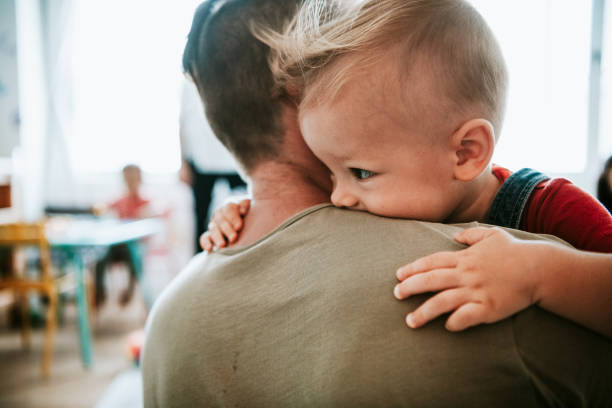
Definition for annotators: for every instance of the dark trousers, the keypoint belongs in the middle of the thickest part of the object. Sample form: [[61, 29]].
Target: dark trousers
[[119, 253], [202, 186]]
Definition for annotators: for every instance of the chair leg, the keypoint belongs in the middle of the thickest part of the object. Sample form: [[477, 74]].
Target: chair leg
[[49, 333], [25, 321]]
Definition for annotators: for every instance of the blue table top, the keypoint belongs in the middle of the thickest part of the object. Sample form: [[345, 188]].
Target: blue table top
[[87, 232]]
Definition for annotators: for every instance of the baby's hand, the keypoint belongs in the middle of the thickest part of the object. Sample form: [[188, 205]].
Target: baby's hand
[[487, 282], [225, 224]]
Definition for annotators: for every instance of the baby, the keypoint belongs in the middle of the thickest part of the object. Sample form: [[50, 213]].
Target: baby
[[403, 101]]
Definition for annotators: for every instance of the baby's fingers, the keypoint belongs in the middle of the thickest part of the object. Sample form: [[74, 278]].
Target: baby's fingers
[[435, 261], [229, 213], [474, 235], [227, 230], [244, 206], [206, 242], [435, 306], [469, 314], [432, 281], [216, 235]]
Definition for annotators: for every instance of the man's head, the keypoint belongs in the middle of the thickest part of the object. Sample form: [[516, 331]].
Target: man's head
[[230, 68], [408, 90], [132, 176]]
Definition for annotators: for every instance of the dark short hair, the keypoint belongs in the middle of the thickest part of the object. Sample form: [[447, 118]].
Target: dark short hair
[[604, 193], [130, 167], [230, 69]]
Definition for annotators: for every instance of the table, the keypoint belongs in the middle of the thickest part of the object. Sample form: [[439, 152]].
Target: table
[[75, 235]]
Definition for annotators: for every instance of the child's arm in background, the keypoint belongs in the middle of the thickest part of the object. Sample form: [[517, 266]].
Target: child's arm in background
[[499, 275], [225, 224]]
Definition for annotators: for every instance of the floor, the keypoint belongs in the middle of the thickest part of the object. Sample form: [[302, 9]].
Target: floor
[[70, 385]]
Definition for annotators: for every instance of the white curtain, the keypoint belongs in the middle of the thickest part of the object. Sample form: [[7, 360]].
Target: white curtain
[[58, 26], [28, 158]]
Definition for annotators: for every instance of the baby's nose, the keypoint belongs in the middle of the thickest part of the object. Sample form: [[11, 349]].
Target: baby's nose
[[342, 198]]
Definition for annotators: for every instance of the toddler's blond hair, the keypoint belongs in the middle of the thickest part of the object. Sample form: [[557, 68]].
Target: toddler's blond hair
[[329, 40]]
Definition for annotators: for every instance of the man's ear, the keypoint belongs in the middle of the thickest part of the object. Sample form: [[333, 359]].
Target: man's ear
[[473, 145]]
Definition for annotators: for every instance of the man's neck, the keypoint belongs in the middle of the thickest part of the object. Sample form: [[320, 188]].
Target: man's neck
[[279, 191]]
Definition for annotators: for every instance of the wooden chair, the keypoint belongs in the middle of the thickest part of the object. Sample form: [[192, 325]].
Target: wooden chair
[[21, 235]]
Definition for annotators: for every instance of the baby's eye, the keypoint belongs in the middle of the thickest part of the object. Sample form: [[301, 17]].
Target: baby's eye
[[362, 174]]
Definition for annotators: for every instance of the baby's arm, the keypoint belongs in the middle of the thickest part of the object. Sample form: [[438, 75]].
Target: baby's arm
[[225, 224], [499, 275]]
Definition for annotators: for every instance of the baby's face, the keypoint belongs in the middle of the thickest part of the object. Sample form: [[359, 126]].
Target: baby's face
[[380, 161]]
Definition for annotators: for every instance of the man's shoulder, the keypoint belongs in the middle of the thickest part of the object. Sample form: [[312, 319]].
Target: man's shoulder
[[343, 221], [330, 235], [185, 279], [353, 226]]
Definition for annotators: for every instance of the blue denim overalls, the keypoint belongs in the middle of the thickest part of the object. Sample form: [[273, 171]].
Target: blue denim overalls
[[511, 199]]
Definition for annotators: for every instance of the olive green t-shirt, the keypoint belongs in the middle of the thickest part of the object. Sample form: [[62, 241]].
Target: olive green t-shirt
[[305, 317]]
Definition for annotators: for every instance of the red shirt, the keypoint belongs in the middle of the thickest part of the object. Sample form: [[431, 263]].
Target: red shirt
[[129, 206], [557, 207]]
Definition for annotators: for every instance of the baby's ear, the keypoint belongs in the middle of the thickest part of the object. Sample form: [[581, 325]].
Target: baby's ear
[[473, 145]]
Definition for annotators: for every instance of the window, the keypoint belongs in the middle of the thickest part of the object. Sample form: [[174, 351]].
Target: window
[[127, 81], [546, 44], [605, 142], [127, 76]]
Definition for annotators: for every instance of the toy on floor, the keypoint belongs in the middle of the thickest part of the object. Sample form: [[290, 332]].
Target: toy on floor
[[134, 345]]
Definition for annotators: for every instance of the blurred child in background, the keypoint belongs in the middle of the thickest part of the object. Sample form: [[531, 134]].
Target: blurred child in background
[[129, 206]]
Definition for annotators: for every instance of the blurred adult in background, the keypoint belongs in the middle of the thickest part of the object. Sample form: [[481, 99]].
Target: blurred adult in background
[[131, 205], [204, 158], [604, 186]]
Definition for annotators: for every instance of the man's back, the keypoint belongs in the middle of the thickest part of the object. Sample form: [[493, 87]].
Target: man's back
[[306, 317]]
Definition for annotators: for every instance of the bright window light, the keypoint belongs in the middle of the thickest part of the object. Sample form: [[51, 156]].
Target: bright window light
[[127, 76], [546, 44], [605, 143], [127, 81]]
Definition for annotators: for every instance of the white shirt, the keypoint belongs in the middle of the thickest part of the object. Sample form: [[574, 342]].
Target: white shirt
[[200, 144]]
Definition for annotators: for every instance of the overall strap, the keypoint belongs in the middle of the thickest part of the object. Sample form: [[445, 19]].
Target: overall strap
[[511, 199]]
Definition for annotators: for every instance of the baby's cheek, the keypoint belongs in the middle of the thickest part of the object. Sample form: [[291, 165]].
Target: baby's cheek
[[388, 207], [413, 208]]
